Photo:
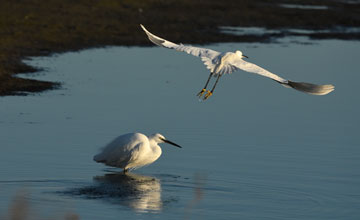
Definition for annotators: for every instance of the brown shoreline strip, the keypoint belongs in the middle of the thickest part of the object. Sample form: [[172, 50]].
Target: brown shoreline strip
[[40, 28]]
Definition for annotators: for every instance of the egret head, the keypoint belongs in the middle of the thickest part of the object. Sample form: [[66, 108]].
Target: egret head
[[240, 54], [159, 138]]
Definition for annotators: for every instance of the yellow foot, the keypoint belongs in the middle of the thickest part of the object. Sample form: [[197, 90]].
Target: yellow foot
[[207, 95], [201, 92]]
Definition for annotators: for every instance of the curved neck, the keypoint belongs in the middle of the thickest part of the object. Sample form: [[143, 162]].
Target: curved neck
[[155, 148], [153, 144]]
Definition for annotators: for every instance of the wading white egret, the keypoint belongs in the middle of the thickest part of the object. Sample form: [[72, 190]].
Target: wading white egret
[[132, 151], [226, 63]]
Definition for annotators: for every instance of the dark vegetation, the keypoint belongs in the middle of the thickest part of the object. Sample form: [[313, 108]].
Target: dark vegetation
[[38, 28]]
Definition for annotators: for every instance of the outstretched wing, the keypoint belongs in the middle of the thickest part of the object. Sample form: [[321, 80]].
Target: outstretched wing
[[207, 55], [300, 86], [253, 68]]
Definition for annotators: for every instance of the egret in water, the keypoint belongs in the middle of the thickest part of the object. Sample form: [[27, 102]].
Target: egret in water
[[132, 151], [226, 63]]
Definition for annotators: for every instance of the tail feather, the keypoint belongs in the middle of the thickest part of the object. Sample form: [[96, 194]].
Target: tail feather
[[311, 88]]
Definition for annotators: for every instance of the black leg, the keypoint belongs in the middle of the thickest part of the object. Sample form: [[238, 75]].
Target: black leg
[[209, 93], [207, 82], [215, 83]]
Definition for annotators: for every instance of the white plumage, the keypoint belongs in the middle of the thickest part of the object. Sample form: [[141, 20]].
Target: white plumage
[[131, 151], [226, 63]]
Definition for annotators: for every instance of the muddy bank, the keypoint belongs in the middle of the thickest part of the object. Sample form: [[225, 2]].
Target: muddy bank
[[38, 28]]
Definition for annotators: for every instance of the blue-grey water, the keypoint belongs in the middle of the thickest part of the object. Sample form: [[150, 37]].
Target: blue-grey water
[[254, 150]]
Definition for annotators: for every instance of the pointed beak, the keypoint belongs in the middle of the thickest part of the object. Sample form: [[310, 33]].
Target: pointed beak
[[172, 143], [244, 56]]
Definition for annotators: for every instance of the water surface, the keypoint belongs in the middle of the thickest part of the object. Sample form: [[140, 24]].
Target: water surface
[[254, 150]]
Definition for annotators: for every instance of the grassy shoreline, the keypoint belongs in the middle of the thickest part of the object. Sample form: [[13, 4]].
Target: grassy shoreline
[[40, 28]]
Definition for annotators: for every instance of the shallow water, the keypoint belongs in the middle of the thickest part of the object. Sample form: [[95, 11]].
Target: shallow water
[[254, 150]]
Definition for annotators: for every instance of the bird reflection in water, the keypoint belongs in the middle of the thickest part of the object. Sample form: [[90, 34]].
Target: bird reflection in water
[[141, 193]]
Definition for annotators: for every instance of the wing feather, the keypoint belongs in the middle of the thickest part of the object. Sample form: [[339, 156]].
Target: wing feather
[[309, 88], [123, 150], [208, 56], [253, 68]]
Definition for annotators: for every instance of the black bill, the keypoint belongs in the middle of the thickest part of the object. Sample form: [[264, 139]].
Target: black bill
[[172, 143]]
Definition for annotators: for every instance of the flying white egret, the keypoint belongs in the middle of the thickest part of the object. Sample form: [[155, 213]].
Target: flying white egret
[[132, 151], [226, 63]]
